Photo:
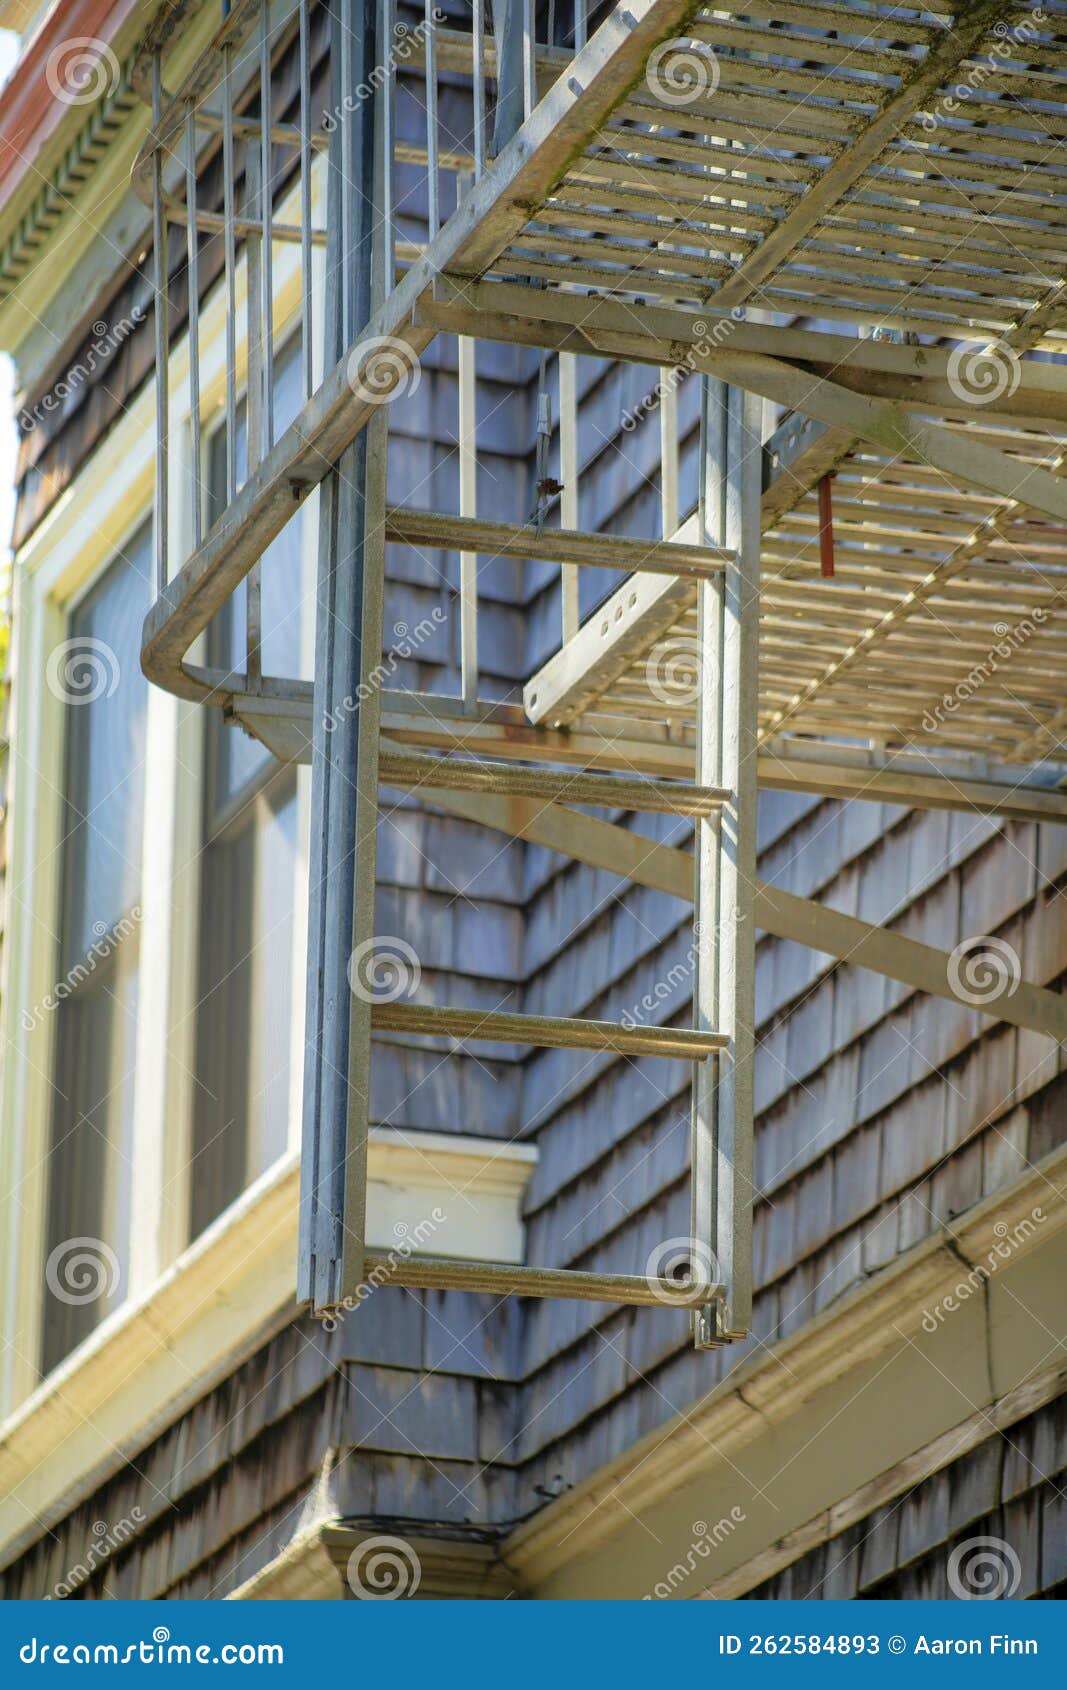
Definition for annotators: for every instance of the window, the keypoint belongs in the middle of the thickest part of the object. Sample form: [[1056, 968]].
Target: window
[[248, 880], [97, 670]]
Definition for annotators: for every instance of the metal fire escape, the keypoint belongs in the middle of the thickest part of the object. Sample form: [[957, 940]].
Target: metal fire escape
[[743, 196]]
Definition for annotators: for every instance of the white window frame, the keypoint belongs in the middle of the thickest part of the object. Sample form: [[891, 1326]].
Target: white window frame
[[107, 502]]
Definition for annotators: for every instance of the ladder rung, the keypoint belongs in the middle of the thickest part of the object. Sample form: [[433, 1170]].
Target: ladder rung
[[555, 1031], [552, 545], [411, 771]]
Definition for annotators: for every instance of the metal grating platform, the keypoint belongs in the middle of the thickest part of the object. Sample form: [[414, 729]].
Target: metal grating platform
[[917, 641]]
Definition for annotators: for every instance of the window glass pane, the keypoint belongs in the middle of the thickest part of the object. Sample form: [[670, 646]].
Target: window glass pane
[[100, 675], [90, 1154], [244, 1016]]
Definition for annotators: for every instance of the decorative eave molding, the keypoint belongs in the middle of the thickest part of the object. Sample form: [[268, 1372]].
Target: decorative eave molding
[[23, 246], [313, 1566], [153, 1358], [778, 1380]]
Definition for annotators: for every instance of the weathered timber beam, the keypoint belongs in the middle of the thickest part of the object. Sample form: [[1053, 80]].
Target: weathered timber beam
[[662, 336], [845, 937], [281, 717]]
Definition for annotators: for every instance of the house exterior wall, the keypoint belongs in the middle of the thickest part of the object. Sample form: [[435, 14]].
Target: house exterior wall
[[885, 1120]]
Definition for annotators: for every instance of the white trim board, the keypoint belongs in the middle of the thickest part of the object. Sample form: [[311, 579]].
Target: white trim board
[[154, 1357]]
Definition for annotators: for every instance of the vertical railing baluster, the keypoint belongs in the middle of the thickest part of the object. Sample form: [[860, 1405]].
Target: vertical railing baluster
[[162, 335], [529, 58], [580, 27], [305, 202], [344, 49], [479, 89], [267, 212], [568, 474], [387, 96], [231, 272], [193, 276], [468, 506], [432, 162], [668, 444]]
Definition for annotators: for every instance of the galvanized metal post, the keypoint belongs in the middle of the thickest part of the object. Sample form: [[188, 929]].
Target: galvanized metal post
[[724, 941], [348, 642]]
